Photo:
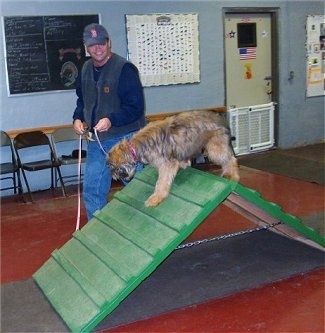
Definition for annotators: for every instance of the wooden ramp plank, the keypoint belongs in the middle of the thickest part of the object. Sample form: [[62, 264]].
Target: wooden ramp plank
[[124, 243]]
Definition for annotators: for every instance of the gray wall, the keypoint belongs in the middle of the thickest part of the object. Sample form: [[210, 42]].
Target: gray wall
[[300, 119]]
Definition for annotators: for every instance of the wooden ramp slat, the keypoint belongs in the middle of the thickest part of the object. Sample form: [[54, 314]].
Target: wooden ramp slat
[[112, 254]]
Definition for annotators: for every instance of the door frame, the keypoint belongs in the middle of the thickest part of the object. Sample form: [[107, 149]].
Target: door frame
[[274, 13]]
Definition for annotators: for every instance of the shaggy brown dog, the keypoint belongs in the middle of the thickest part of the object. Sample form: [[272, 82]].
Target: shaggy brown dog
[[170, 144]]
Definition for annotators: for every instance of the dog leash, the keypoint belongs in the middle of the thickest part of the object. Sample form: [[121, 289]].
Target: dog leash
[[100, 145], [79, 183], [79, 171], [89, 137]]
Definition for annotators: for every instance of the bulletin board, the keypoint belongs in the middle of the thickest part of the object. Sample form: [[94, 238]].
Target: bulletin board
[[315, 46], [44, 53], [164, 47]]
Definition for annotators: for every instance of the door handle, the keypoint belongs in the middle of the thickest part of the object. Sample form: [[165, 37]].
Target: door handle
[[268, 78]]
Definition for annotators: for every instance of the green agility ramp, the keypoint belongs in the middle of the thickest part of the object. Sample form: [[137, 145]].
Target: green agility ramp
[[110, 256]]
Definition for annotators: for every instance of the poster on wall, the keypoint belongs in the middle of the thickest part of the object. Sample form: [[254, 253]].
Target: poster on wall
[[315, 46], [44, 53], [164, 47]]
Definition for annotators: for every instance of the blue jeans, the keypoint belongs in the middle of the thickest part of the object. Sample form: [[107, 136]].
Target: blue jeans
[[97, 175]]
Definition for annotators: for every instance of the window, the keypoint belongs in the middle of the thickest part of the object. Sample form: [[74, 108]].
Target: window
[[246, 34]]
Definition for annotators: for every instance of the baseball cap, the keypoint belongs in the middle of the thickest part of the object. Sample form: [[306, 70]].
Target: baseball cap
[[95, 33]]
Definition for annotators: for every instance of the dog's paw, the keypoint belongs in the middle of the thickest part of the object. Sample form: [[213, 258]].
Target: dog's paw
[[153, 201]]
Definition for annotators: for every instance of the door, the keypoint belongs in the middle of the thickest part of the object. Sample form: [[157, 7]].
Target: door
[[248, 58]]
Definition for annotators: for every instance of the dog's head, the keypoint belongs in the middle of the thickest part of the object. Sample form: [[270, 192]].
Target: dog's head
[[121, 161]]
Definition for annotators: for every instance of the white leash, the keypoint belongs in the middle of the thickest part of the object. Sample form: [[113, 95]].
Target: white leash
[[100, 145], [79, 182], [79, 174]]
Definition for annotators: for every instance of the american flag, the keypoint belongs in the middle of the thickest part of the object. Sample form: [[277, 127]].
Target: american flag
[[247, 53]]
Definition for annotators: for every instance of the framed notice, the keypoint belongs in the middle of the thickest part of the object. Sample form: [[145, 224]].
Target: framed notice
[[164, 47], [315, 46]]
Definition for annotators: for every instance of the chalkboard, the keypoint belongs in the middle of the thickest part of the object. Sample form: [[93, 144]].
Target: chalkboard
[[44, 53]]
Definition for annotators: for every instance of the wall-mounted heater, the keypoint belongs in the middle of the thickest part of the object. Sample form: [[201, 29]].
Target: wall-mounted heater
[[252, 128]]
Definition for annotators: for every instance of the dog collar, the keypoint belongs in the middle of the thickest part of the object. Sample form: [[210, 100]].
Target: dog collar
[[133, 152]]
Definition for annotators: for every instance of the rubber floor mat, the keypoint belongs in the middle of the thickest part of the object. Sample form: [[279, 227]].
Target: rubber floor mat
[[214, 270], [282, 163]]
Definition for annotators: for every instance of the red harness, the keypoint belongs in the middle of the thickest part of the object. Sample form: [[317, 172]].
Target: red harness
[[133, 152]]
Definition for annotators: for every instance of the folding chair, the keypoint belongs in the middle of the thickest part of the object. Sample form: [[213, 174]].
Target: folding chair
[[66, 149], [9, 165], [34, 153]]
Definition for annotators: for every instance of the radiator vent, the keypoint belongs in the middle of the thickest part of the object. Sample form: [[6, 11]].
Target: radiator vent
[[252, 128]]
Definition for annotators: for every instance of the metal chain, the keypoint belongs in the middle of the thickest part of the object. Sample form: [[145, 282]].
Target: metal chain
[[222, 237]]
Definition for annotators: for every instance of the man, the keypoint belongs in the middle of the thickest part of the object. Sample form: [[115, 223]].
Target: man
[[111, 102]]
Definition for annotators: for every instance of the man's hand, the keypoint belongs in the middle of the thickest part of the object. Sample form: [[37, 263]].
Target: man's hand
[[103, 125], [78, 127]]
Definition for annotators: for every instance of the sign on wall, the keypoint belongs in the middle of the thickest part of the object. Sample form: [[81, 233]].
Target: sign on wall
[[315, 45], [44, 53], [164, 47]]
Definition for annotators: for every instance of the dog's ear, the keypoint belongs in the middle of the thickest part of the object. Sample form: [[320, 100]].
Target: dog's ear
[[119, 154], [119, 146], [124, 146], [124, 142]]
